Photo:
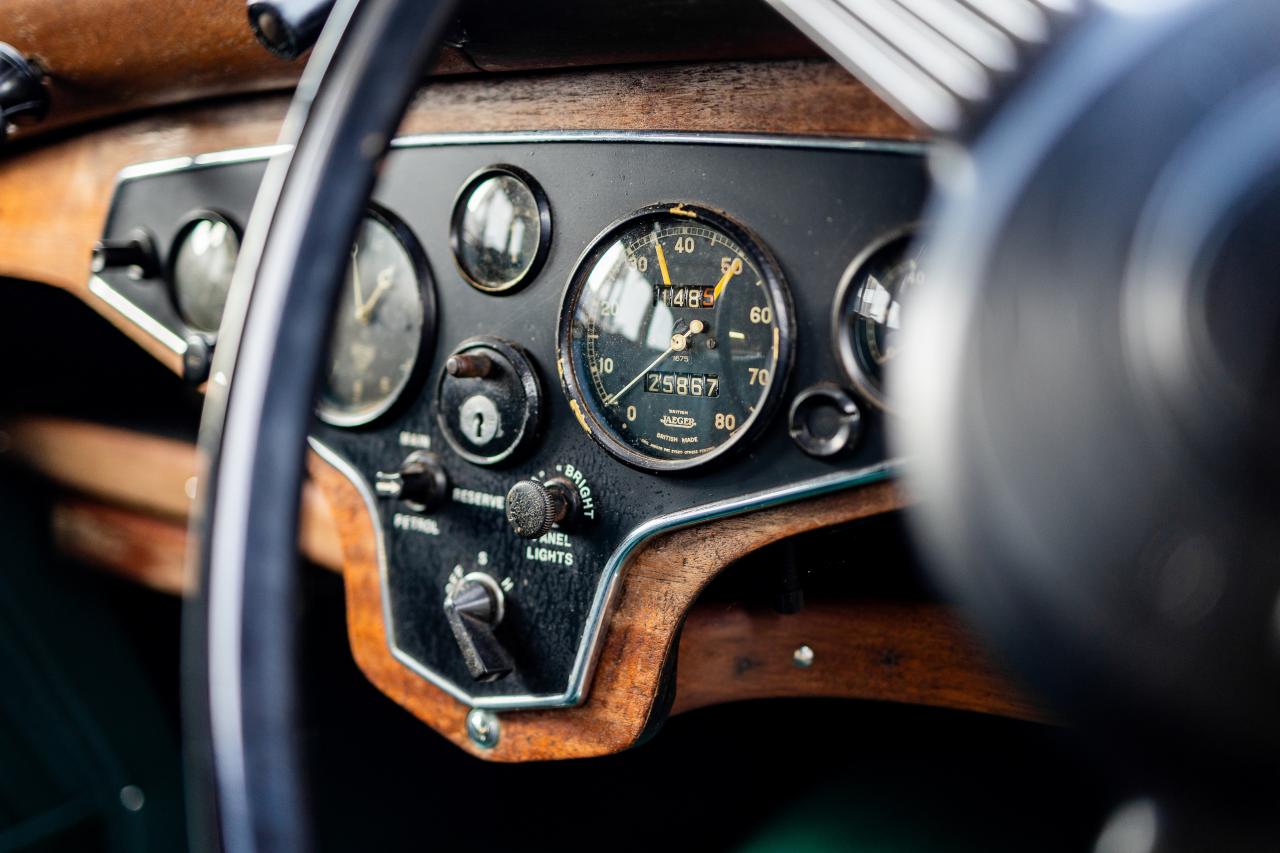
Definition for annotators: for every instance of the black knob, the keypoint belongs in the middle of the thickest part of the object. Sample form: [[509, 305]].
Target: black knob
[[473, 605], [23, 97], [197, 360], [288, 28], [534, 507], [421, 482], [135, 253]]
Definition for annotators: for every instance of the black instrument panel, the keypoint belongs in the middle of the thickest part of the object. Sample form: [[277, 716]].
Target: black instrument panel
[[489, 405]]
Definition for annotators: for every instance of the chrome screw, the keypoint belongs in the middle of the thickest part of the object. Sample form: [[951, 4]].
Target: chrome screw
[[483, 728]]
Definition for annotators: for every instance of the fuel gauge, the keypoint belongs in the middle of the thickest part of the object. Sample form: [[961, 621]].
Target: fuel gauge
[[868, 316]]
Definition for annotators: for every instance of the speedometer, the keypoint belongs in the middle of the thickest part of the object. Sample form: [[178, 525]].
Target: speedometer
[[675, 337]]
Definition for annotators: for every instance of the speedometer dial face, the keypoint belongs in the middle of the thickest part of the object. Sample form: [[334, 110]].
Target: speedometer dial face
[[675, 337], [385, 310]]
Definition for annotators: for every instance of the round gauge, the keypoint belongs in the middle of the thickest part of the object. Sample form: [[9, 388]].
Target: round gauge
[[501, 229], [675, 337], [385, 309], [868, 312], [203, 260]]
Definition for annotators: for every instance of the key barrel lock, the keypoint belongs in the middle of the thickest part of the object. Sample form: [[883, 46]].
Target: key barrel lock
[[489, 401]]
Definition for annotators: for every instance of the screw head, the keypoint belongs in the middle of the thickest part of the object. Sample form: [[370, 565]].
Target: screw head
[[483, 728], [802, 657]]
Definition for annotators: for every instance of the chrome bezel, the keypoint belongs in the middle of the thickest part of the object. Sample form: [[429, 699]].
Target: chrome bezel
[[846, 351], [544, 228], [583, 396], [336, 416], [189, 222]]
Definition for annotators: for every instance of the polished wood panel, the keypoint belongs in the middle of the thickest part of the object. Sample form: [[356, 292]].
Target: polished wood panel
[[139, 547], [799, 97], [54, 198], [105, 57], [149, 475], [108, 56], [895, 651], [660, 583], [118, 466]]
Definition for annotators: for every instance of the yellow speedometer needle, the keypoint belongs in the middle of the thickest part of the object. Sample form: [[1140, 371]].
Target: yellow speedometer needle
[[662, 263], [720, 285]]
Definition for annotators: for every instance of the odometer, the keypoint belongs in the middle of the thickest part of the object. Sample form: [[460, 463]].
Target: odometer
[[675, 337]]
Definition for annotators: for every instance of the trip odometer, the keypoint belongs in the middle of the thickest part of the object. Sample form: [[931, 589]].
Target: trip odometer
[[675, 337]]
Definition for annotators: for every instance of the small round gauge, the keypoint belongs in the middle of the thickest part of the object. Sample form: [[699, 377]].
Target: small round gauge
[[868, 313], [386, 308], [675, 337], [501, 229], [203, 260]]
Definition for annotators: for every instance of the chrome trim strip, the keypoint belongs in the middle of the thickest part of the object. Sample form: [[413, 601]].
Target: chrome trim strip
[[606, 588], [136, 315], [233, 156], [239, 155], [154, 167], [762, 140]]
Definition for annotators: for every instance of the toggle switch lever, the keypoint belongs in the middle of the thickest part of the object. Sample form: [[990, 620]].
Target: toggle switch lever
[[421, 482], [135, 254], [474, 607]]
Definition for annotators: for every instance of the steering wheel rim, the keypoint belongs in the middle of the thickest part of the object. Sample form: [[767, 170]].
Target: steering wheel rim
[[245, 780]]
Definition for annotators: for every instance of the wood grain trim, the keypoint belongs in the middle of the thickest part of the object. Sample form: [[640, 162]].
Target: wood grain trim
[[54, 198], [141, 548], [147, 475], [659, 585], [118, 466], [105, 57], [891, 651]]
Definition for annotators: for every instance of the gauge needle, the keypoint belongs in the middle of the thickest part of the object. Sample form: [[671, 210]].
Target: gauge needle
[[720, 285], [384, 282], [355, 276], [662, 263], [679, 342]]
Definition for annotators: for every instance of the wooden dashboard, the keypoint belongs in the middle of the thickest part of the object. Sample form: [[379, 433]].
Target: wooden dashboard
[[128, 514]]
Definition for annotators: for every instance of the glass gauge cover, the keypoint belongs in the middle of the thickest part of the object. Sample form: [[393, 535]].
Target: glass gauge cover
[[501, 229], [385, 309], [675, 337], [203, 261], [868, 314]]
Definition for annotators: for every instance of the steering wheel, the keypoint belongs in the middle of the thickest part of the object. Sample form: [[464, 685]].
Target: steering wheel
[[1119, 553], [245, 772]]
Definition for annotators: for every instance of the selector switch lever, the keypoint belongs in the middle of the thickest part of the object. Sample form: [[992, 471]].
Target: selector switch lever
[[421, 482], [534, 507], [473, 605]]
